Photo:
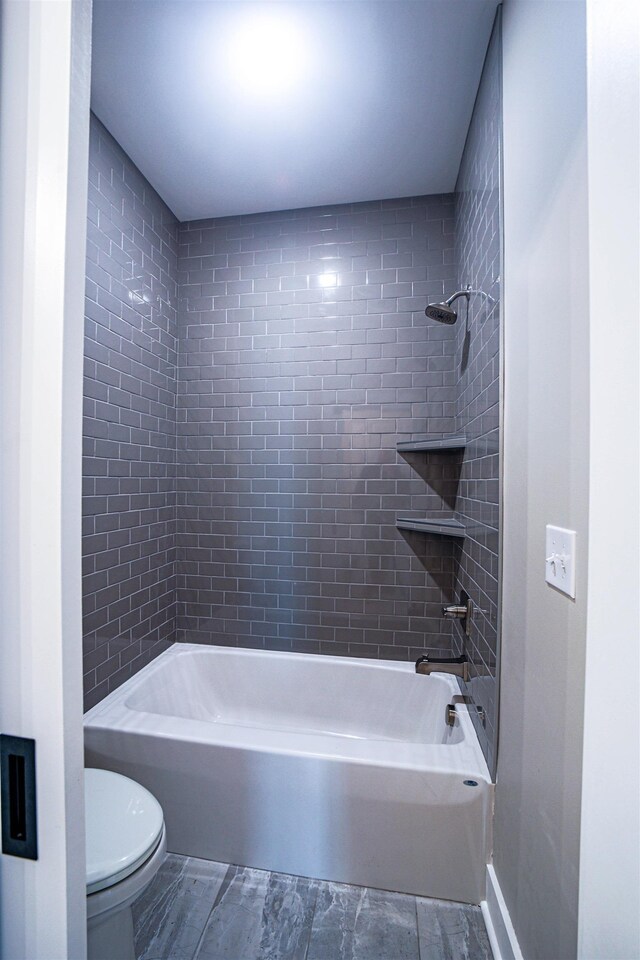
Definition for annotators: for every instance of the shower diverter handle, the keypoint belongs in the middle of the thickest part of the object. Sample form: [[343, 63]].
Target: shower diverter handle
[[455, 612]]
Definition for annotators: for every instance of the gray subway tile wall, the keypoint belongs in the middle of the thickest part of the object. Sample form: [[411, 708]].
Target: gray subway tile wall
[[478, 245], [304, 358], [128, 542], [247, 380]]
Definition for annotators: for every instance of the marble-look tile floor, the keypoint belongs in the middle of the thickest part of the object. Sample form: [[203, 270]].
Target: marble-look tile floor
[[213, 911]]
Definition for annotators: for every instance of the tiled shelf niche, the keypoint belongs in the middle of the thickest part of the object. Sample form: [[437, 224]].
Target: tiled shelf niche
[[441, 527]]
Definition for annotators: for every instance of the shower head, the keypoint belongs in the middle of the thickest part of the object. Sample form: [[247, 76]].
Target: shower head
[[442, 312]]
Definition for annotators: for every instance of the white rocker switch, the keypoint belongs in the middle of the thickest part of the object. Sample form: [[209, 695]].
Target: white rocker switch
[[560, 559]]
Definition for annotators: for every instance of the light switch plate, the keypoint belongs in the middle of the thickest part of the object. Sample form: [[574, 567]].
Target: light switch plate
[[560, 559]]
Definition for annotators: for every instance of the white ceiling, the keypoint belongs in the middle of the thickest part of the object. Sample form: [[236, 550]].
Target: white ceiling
[[244, 107]]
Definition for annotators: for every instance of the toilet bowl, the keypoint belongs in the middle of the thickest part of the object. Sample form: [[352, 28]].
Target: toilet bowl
[[126, 845]]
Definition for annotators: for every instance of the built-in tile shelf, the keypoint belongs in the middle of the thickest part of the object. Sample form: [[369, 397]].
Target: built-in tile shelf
[[443, 445], [441, 527]]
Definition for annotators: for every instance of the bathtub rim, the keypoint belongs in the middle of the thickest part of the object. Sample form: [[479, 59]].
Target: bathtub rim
[[462, 758]]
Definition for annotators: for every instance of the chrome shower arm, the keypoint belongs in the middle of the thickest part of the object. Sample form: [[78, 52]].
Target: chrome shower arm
[[469, 292], [460, 293]]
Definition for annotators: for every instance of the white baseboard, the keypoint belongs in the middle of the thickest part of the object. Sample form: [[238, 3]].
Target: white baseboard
[[502, 936]]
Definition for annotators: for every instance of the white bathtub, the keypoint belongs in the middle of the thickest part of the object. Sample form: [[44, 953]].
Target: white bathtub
[[326, 767]]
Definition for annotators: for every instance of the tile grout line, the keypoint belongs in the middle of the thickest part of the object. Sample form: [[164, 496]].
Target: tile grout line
[[415, 909], [222, 889], [317, 885]]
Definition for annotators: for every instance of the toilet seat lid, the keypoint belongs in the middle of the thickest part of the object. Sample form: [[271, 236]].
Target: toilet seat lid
[[123, 827]]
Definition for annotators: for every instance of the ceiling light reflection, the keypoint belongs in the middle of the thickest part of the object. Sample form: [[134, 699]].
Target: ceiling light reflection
[[266, 55]]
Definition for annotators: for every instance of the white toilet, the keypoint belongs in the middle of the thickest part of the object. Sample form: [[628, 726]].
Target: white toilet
[[126, 845]]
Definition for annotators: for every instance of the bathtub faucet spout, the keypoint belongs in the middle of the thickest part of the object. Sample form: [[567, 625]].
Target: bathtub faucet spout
[[458, 666]]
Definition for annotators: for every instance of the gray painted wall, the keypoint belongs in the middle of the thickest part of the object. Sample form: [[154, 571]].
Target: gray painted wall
[[478, 252], [128, 543], [546, 467], [292, 397]]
